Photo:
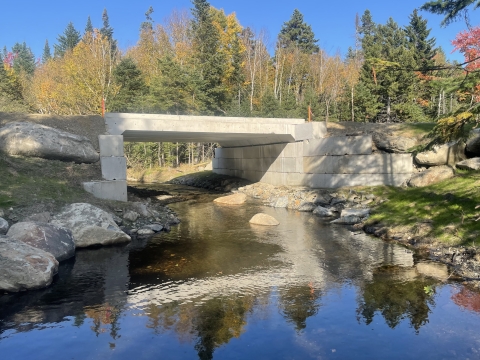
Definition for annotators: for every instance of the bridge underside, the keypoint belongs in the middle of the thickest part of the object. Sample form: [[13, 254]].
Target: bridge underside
[[275, 151]]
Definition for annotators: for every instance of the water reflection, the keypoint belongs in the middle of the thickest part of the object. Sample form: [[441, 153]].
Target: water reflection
[[209, 282]]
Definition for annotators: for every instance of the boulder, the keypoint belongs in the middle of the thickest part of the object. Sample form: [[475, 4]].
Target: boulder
[[431, 176], [446, 154], [264, 219], [323, 212], [307, 207], [469, 164], [145, 231], [131, 216], [23, 267], [90, 225], [281, 202], [473, 143], [235, 199], [34, 140], [355, 212], [43, 217], [347, 220], [393, 144], [141, 209], [47, 237], [3, 226]]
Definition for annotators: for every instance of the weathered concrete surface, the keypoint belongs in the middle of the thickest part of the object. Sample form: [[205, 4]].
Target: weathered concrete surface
[[23, 267], [114, 167], [445, 154], [110, 190], [27, 139], [47, 237], [359, 164], [227, 131], [264, 220], [111, 145], [90, 225], [341, 145]]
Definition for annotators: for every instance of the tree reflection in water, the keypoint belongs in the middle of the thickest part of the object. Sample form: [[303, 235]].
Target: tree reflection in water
[[397, 294], [298, 303], [468, 299]]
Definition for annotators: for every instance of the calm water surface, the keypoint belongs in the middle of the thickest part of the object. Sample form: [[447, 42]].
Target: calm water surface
[[218, 287]]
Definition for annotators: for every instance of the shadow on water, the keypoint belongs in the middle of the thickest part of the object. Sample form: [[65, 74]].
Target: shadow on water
[[217, 285]]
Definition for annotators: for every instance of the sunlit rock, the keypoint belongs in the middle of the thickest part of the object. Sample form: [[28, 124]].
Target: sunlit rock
[[264, 219], [235, 199]]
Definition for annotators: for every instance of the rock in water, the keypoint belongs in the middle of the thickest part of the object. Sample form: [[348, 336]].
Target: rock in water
[[3, 226], [355, 212], [34, 140], [446, 154], [47, 237], [23, 267], [264, 219], [323, 212], [347, 220], [90, 225], [307, 207], [470, 164], [431, 176], [235, 199]]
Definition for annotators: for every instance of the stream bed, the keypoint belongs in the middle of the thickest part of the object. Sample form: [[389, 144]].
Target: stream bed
[[216, 287]]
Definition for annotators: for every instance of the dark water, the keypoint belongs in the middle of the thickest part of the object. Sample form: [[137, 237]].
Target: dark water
[[217, 287]]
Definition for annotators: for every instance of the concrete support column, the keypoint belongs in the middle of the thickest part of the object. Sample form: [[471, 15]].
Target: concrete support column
[[114, 170]]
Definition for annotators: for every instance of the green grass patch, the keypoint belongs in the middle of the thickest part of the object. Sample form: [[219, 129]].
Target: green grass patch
[[448, 207]]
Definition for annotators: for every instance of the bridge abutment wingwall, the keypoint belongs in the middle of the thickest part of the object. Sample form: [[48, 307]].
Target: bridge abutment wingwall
[[318, 163]]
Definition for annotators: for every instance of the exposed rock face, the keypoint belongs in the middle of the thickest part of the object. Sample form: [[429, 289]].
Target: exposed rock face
[[3, 226], [264, 219], [23, 267], [446, 154], [469, 164], [235, 199], [393, 144], [47, 237], [90, 225], [28, 139], [473, 144], [323, 212], [431, 176]]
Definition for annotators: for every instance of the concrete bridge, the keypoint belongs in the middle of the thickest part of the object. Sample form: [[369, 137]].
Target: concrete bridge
[[275, 151]]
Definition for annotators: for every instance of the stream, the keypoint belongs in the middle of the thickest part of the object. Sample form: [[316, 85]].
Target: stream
[[216, 287]]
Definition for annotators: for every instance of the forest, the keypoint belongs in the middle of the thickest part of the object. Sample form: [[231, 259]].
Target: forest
[[204, 62]]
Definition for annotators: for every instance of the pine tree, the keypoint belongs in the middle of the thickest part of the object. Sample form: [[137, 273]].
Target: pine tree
[[67, 41], [418, 38], [107, 31], [209, 59], [24, 59], [47, 54], [88, 26], [132, 87], [297, 33], [452, 9]]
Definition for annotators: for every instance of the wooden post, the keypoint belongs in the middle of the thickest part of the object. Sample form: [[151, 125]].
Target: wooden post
[[103, 107]]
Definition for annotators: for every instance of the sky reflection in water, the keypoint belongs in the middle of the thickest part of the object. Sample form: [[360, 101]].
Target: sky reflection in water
[[217, 287]]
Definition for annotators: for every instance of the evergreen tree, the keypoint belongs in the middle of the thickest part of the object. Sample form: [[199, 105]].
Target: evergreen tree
[[88, 26], [297, 33], [107, 31], [24, 59], [67, 41], [132, 87], [47, 54], [418, 38], [209, 59], [452, 9]]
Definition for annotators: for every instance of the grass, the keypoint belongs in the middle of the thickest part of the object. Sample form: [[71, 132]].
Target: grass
[[444, 211]]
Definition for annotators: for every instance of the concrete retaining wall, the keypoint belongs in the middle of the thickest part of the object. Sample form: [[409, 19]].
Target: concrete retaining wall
[[318, 163]]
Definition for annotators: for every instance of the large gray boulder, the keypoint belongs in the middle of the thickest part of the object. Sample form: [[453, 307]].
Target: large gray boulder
[[90, 225], [3, 226], [469, 164], [23, 267], [393, 144], [473, 143], [323, 212], [431, 176], [445, 154], [47, 237], [34, 140]]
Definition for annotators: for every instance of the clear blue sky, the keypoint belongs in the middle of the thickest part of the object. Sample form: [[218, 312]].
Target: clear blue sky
[[35, 21]]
